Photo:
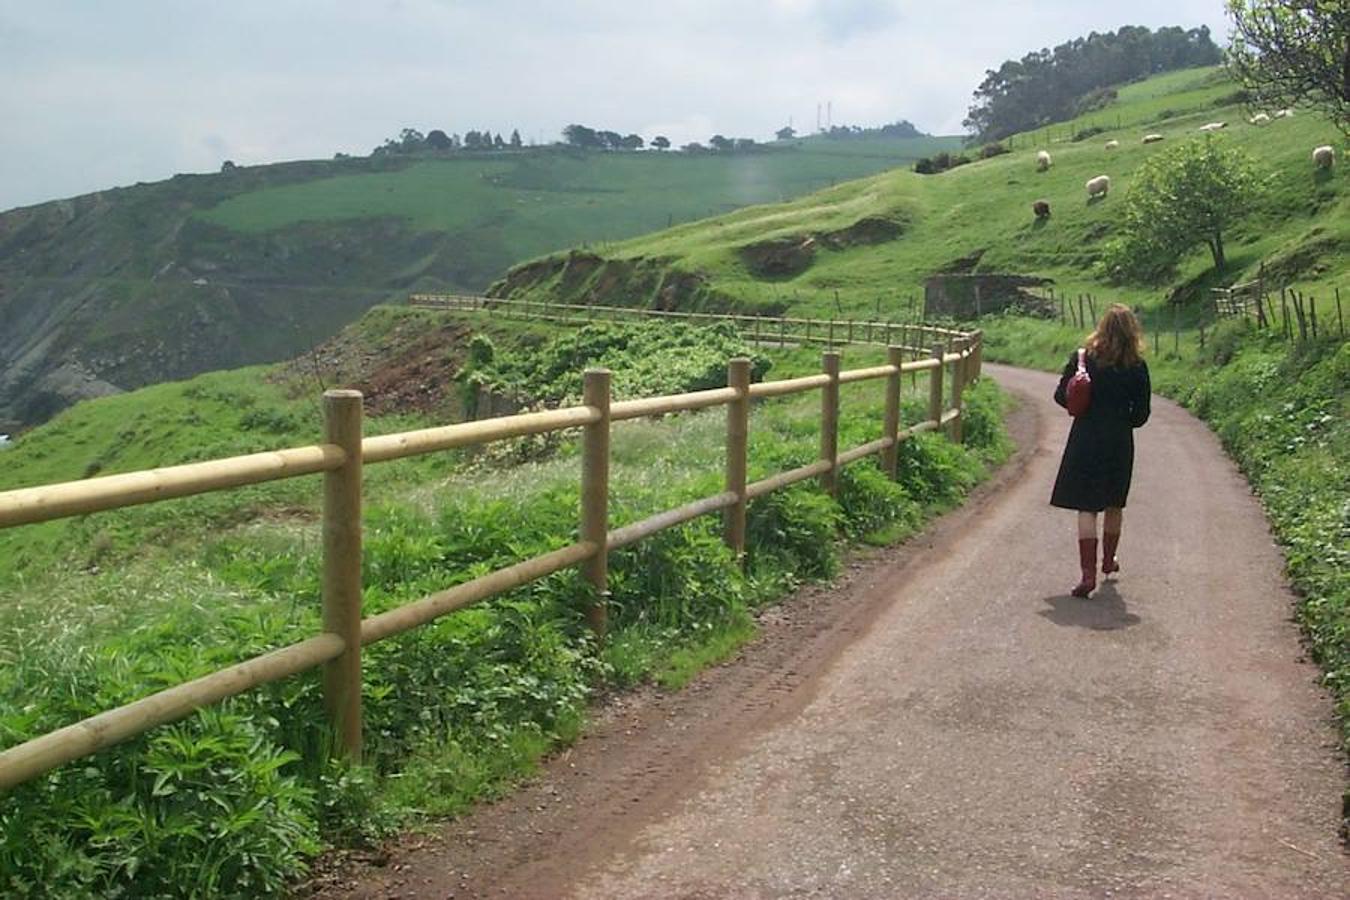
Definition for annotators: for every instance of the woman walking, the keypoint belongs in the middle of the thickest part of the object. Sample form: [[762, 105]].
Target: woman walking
[[1094, 475]]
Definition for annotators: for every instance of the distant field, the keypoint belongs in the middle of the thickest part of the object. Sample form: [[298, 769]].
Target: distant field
[[542, 200]]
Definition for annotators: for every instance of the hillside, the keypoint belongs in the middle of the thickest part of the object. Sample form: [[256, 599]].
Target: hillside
[[875, 241], [131, 286]]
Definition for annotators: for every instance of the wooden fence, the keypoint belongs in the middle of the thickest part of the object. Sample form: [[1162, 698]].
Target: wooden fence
[[780, 330], [344, 452]]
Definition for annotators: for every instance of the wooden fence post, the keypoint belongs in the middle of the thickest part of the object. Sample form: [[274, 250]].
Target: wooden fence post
[[977, 371], [595, 393], [1340, 322], [935, 386], [850, 331], [890, 457], [342, 570], [958, 386], [829, 423], [738, 433], [782, 332]]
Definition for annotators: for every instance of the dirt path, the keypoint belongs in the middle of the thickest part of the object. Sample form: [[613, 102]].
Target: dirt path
[[949, 722]]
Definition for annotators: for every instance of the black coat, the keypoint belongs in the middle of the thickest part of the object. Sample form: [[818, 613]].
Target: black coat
[[1099, 456]]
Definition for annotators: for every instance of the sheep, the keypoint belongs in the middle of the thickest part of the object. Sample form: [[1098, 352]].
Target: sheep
[[1042, 161], [1324, 156], [1284, 113], [1152, 138], [1260, 119], [1041, 208], [1212, 126], [1111, 145], [1097, 187]]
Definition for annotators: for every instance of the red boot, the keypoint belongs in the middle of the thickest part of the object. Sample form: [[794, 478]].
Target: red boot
[[1109, 543], [1087, 561]]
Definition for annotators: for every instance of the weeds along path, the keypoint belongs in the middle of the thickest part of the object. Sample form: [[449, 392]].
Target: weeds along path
[[947, 721]]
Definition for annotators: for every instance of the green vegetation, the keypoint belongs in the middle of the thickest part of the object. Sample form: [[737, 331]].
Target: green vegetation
[[231, 802], [1186, 196], [1077, 76], [255, 264], [978, 218]]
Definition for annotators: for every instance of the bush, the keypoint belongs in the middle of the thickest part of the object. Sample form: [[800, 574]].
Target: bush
[[988, 151], [1089, 132]]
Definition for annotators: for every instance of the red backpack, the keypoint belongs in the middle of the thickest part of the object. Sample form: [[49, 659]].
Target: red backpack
[[1078, 393]]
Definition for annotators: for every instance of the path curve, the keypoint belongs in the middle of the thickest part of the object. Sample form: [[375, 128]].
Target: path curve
[[949, 722]]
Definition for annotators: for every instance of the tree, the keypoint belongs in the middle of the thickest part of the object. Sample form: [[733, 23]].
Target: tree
[[632, 142], [411, 140], [582, 137], [1286, 53], [786, 133], [720, 143], [661, 142], [498, 143], [1186, 196], [229, 166], [515, 139], [439, 140], [610, 140]]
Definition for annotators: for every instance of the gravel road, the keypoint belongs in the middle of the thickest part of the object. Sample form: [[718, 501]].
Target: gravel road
[[948, 721]]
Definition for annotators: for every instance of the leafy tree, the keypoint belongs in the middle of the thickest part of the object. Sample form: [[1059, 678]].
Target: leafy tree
[[581, 136], [229, 166], [1294, 52], [439, 140], [515, 139], [410, 139], [786, 133], [1186, 196], [721, 144], [498, 143], [693, 147], [632, 142], [610, 140], [661, 142], [745, 144]]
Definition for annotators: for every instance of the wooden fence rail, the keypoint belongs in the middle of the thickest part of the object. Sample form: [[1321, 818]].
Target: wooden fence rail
[[780, 330], [344, 452]]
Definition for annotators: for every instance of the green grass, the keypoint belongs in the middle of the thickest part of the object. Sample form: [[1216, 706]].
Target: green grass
[[542, 200], [985, 207]]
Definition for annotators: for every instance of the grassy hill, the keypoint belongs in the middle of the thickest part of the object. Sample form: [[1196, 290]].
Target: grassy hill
[[132, 286], [978, 218]]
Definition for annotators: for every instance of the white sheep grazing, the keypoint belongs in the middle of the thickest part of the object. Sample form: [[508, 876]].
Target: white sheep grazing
[[1260, 119], [1152, 138], [1213, 126], [1097, 187], [1042, 161], [1284, 113], [1324, 157], [1111, 145]]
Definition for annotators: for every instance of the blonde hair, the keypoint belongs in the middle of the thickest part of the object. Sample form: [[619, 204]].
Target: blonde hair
[[1118, 339]]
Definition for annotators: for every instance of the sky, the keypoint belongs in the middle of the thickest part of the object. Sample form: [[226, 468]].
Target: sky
[[99, 94]]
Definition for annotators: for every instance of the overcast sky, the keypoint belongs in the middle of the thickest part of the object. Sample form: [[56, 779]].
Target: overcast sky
[[97, 94]]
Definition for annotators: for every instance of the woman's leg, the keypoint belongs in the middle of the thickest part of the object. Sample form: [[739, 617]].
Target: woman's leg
[[1087, 553], [1087, 524], [1111, 525]]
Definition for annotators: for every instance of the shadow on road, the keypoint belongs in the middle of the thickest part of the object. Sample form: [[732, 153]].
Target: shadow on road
[[1104, 611]]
